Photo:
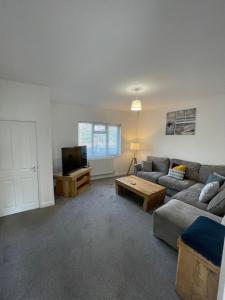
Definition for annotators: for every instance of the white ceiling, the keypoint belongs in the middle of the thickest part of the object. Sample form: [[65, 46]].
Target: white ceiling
[[91, 51]]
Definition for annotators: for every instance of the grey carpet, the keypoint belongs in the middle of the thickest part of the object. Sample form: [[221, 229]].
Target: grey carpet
[[97, 246]]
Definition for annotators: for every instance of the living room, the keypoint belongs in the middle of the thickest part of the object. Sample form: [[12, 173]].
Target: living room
[[139, 85]]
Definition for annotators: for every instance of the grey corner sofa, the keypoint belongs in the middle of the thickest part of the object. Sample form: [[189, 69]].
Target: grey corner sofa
[[171, 219]]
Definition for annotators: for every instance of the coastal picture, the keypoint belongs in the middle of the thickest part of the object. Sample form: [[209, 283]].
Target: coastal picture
[[185, 129], [181, 122]]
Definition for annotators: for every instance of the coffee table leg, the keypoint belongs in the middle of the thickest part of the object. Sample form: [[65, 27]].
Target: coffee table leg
[[145, 204], [119, 189]]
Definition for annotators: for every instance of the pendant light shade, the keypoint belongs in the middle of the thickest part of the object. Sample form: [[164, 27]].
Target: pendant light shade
[[136, 105]]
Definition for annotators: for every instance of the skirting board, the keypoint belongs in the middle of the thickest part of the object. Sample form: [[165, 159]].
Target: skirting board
[[46, 204]]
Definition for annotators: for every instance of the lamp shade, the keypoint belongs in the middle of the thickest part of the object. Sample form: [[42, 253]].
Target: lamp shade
[[134, 146], [136, 105]]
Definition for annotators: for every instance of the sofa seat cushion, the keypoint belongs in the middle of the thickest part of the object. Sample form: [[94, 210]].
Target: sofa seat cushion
[[191, 196], [171, 219], [175, 184], [151, 176]]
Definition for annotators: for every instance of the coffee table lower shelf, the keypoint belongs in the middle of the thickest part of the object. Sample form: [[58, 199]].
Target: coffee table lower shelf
[[152, 193]]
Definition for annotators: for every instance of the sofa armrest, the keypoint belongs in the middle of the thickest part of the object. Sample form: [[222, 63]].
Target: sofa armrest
[[137, 168]]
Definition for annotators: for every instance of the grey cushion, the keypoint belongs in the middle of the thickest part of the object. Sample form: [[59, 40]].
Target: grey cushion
[[159, 164], [137, 168], [151, 176], [147, 166], [191, 196], [175, 184], [213, 178], [192, 171], [206, 170], [171, 219], [217, 204], [209, 191]]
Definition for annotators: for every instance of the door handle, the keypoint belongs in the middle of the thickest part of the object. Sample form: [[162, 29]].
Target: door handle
[[34, 169]]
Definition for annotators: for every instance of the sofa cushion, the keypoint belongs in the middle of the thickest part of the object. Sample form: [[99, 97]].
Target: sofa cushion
[[175, 184], [192, 171], [171, 219], [206, 170], [176, 174], [159, 164], [217, 204], [209, 191], [213, 178], [191, 196], [151, 176], [147, 166]]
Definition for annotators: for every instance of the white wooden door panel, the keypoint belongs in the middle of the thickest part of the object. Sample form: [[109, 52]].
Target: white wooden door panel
[[18, 167], [7, 195], [6, 155]]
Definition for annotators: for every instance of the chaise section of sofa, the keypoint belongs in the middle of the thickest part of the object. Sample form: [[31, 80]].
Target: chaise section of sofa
[[191, 194], [171, 219]]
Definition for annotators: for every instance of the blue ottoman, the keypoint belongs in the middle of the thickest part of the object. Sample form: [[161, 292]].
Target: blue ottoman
[[206, 237], [199, 260]]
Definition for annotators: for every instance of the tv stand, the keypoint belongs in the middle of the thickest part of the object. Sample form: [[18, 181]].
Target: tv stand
[[74, 183]]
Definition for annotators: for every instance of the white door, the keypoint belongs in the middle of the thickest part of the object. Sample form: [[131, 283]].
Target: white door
[[18, 167]]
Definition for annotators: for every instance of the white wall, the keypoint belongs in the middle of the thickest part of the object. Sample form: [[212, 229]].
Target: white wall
[[206, 146], [65, 118], [25, 102]]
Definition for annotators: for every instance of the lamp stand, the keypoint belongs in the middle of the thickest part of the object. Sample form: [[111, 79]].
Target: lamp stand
[[133, 162]]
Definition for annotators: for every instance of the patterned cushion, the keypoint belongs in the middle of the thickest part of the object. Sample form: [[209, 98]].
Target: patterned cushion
[[180, 168], [176, 174], [192, 171]]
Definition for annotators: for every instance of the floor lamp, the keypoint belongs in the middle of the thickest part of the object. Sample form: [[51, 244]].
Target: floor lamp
[[133, 147]]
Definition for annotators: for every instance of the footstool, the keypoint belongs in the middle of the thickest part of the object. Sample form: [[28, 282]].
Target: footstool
[[199, 260]]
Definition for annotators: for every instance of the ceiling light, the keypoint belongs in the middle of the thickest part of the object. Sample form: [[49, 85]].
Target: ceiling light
[[136, 104]]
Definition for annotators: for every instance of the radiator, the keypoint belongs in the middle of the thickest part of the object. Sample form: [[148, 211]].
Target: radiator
[[102, 166]]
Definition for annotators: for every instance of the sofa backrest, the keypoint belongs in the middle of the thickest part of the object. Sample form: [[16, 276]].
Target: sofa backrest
[[206, 170], [192, 171], [159, 164]]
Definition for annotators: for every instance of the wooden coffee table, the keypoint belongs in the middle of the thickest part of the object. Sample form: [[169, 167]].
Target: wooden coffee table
[[152, 193]]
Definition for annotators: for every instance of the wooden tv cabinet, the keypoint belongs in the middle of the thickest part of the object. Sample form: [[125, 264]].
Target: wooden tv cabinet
[[73, 184]]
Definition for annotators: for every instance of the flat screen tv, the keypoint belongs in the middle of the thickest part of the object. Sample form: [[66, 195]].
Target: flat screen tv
[[73, 158]]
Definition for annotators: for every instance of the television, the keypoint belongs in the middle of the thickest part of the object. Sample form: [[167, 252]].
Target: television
[[73, 158]]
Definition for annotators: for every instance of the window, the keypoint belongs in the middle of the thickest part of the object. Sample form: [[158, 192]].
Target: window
[[101, 139]]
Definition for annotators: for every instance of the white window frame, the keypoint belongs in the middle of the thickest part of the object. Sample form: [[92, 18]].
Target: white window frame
[[107, 125]]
